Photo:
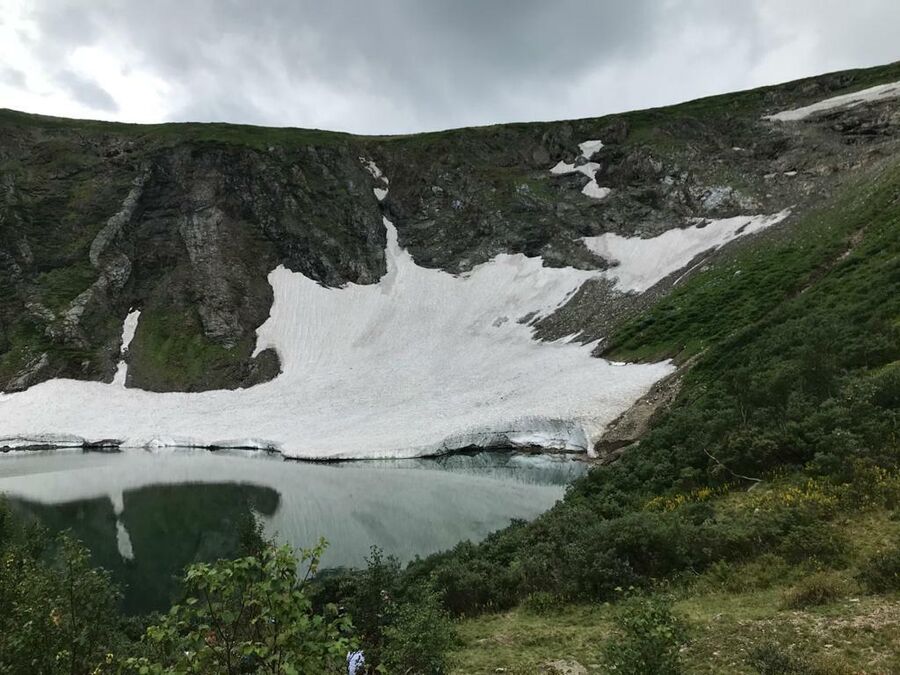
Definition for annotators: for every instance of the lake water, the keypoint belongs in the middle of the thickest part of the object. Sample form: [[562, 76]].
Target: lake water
[[147, 514]]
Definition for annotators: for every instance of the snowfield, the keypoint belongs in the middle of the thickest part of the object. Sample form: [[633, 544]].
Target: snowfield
[[423, 362], [877, 93]]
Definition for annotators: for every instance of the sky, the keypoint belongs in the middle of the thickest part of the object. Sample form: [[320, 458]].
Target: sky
[[402, 66]]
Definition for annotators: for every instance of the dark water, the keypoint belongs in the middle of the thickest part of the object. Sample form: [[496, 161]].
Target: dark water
[[145, 515]]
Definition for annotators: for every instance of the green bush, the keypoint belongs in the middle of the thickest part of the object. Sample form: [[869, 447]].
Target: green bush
[[650, 642], [815, 590], [881, 572], [245, 616], [541, 603], [818, 541], [771, 659], [764, 572], [420, 636], [58, 614], [371, 599]]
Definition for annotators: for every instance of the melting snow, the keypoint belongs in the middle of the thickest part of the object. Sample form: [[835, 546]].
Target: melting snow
[[878, 93], [422, 362], [595, 191], [589, 169], [644, 262], [128, 330], [590, 148]]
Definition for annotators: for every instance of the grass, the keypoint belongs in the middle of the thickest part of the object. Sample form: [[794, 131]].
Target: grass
[[178, 132], [24, 342], [170, 347], [59, 286], [853, 633], [743, 289], [647, 126]]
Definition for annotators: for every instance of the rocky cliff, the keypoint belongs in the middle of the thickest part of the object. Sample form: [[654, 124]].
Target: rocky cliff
[[186, 221]]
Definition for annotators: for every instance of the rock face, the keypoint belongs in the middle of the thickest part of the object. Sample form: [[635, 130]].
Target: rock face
[[185, 222]]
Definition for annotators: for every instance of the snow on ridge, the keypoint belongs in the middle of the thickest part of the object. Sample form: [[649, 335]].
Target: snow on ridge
[[562, 168], [421, 363], [588, 168], [642, 263], [590, 148], [878, 93], [373, 169]]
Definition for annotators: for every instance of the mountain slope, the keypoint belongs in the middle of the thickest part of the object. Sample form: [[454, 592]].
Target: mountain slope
[[185, 223]]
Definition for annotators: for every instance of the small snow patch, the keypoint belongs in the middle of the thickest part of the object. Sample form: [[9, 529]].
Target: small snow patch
[[590, 148], [129, 328], [879, 93], [594, 191], [589, 169]]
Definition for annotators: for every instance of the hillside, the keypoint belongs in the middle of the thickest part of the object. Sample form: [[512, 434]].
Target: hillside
[[230, 248], [716, 292]]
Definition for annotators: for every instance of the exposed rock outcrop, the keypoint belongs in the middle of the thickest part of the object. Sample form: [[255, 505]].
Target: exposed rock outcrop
[[186, 222]]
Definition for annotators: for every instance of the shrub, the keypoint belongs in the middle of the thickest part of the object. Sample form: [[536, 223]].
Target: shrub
[[420, 637], [372, 602], [651, 640], [816, 540], [542, 602], [247, 615], [881, 572], [757, 574], [771, 659], [813, 591], [57, 612]]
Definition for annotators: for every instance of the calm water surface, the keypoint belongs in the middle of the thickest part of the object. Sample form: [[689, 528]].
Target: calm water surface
[[145, 515]]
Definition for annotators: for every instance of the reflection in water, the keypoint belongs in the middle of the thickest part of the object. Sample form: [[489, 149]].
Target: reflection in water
[[146, 515], [167, 527]]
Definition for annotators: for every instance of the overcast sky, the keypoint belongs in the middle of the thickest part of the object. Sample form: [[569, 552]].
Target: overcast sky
[[393, 66]]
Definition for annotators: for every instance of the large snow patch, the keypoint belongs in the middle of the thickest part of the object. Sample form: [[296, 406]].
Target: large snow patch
[[422, 362], [639, 263]]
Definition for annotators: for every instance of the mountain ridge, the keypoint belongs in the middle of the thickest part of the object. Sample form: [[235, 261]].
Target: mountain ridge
[[212, 216]]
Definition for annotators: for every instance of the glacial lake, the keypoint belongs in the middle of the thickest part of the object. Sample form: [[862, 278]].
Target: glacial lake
[[146, 514]]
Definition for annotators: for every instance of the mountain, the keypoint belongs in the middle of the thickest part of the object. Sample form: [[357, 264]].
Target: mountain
[[408, 295]]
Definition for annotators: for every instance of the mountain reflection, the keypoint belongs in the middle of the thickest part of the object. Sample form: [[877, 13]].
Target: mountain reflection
[[169, 527]]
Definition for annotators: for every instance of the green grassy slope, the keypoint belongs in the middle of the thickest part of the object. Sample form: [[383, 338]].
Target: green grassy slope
[[730, 611], [797, 387], [647, 123]]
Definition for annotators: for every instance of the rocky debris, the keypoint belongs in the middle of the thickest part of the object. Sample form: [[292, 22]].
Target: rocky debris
[[113, 268], [631, 425], [594, 311], [563, 667], [117, 221], [29, 374], [102, 445]]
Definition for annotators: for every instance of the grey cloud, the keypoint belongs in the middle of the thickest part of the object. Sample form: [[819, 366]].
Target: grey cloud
[[86, 91], [439, 63], [13, 77], [405, 65]]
